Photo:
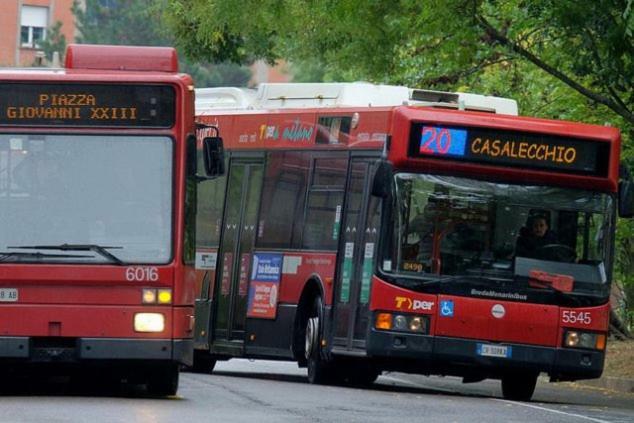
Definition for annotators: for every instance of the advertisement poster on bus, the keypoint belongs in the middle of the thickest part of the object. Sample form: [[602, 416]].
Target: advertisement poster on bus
[[264, 288]]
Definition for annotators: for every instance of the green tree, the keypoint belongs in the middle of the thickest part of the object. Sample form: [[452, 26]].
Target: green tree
[[586, 44], [55, 42], [142, 22]]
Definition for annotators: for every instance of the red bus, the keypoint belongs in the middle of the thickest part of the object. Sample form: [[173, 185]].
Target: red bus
[[96, 225], [364, 228]]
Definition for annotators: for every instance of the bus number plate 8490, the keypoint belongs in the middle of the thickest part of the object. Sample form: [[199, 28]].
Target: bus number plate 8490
[[8, 295]]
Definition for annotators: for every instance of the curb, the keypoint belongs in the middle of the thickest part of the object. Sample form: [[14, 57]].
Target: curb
[[620, 384]]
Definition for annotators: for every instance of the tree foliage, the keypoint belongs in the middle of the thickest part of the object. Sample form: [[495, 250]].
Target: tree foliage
[[142, 22], [585, 44], [55, 41]]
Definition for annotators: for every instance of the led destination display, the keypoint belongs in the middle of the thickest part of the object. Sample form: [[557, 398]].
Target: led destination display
[[36, 104], [510, 148]]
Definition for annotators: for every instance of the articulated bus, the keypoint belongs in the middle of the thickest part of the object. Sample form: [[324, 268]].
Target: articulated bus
[[96, 223], [363, 228]]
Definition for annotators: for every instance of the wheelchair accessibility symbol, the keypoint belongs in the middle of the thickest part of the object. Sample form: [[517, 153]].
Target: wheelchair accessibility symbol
[[446, 308]]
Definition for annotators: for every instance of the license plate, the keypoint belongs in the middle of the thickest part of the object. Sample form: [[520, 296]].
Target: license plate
[[488, 350], [8, 295]]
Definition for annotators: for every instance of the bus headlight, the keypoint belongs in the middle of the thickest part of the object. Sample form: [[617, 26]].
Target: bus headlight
[[402, 322], [581, 339], [149, 322]]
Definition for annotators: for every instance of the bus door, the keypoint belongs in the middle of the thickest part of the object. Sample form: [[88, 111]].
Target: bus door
[[234, 260], [359, 233]]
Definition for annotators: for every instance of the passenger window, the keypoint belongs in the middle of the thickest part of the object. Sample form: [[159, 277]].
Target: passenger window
[[283, 199], [211, 200], [325, 202]]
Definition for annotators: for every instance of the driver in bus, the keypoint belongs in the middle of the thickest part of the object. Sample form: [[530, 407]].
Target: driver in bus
[[534, 236]]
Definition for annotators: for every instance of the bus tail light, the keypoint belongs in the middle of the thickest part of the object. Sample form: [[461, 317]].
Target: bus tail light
[[581, 339], [402, 322], [149, 322]]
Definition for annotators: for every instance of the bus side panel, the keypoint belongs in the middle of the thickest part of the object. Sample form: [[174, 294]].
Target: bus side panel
[[299, 267]]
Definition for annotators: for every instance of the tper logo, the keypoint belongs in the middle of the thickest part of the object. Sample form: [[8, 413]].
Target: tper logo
[[409, 304]]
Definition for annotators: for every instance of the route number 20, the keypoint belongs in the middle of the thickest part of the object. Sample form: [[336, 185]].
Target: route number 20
[[581, 317], [435, 140], [141, 274]]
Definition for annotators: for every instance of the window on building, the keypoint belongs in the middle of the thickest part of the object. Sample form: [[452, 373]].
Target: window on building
[[33, 25]]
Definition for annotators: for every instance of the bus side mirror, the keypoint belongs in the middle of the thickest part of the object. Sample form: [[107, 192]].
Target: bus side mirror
[[213, 157], [626, 198], [382, 183]]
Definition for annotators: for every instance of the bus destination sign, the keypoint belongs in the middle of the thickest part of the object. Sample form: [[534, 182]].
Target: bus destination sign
[[102, 105], [508, 148]]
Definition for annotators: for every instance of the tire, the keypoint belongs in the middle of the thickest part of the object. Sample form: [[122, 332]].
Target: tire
[[519, 387], [163, 381], [319, 371], [203, 362]]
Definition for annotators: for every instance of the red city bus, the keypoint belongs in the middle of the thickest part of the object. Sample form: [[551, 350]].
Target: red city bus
[[96, 226], [366, 228]]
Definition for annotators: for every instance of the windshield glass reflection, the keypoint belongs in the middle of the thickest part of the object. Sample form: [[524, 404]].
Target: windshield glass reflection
[[86, 190], [457, 226]]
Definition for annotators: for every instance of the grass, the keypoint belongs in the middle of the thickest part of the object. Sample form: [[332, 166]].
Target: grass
[[619, 359]]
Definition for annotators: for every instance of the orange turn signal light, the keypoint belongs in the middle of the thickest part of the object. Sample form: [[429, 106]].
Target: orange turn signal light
[[383, 321], [601, 342]]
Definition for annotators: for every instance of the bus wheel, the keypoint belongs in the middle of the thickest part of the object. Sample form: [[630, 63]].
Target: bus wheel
[[318, 369], [203, 362], [163, 381], [519, 387]]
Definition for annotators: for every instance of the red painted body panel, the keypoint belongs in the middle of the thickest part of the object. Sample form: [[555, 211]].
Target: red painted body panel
[[309, 264], [473, 318], [255, 130], [535, 324], [183, 322], [393, 298], [588, 318], [77, 321]]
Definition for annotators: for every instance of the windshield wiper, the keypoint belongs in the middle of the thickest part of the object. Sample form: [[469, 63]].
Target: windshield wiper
[[99, 249], [6, 255]]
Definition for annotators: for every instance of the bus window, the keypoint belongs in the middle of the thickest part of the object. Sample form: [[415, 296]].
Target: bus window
[[211, 195], [452, 226], [325, 202], [283, 197]]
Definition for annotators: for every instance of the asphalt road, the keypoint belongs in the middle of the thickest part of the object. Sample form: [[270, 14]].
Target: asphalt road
[[265, 391]]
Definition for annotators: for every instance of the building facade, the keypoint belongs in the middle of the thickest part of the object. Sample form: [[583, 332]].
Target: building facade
[[24, 23]]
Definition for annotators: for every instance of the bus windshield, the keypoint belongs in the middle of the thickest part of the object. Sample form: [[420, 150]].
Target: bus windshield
[[450, 226], [78, 190]]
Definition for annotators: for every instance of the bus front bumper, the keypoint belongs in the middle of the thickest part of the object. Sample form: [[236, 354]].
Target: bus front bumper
[[70, 350], [460, 357]]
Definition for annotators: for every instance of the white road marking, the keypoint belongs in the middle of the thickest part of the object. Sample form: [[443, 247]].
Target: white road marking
[[592, 419]]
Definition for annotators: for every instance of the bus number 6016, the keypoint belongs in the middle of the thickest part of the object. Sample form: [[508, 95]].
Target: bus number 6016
[[141, 274]]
